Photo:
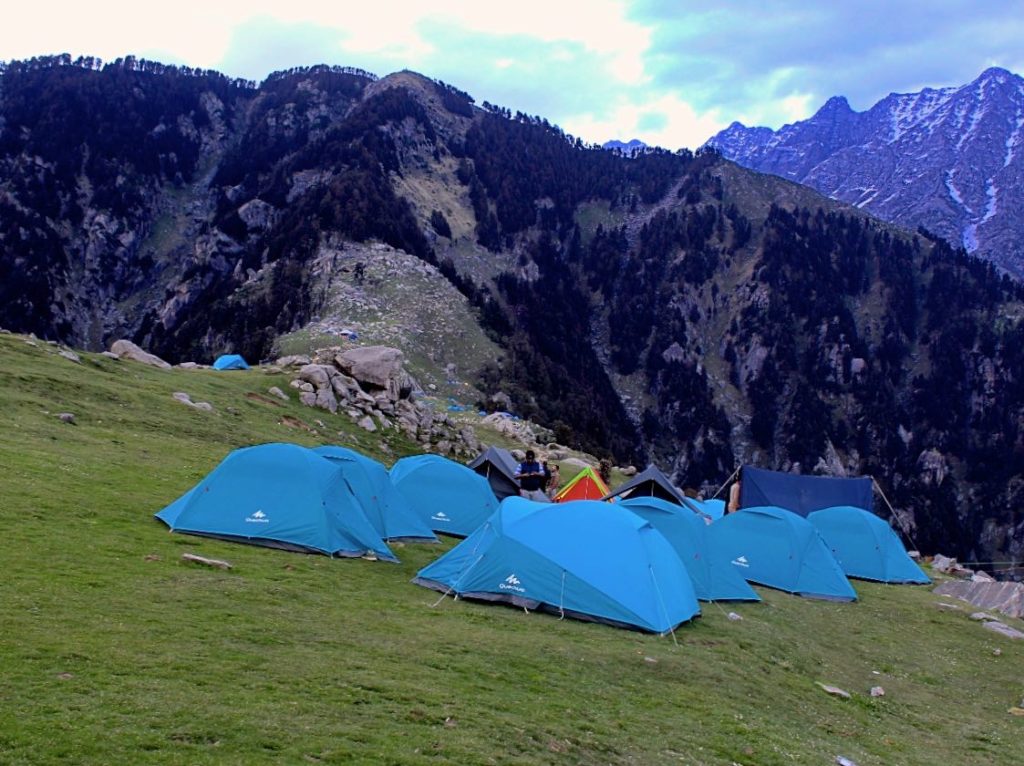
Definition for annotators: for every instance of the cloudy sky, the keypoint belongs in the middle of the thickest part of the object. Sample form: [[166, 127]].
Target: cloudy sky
[[670, 72]]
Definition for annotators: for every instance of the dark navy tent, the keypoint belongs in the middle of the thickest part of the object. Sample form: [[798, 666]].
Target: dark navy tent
[[499, 468], [866, 546], [386, 508], [801, 494], [650, 482], [280, 496], [583, 559], [777, 548], [714, 577], [447, 496], [230, 362]]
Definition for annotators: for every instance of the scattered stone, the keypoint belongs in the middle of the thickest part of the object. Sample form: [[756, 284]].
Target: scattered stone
[[70, 355], [1018, 711], [65, 676], [189, 366], [997, 652], [980, 576], [915, 555], [734, 617], [1003, 629], [877, 691], [629, 470], [110, 355], [944, 605], [982, 616], [216, 563], [31, 343], [207, 407], [293, 360], [651, 660], [835, 691], [184, 398], [308, 398], [275, 391], [368, 424], [128, 350], [844, 761], [151, 557], [66, 417]]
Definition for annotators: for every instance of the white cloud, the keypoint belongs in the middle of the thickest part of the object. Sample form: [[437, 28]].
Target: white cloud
[[670, 122]]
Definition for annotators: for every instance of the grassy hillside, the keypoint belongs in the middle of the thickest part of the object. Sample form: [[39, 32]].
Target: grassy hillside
[[114, 651]]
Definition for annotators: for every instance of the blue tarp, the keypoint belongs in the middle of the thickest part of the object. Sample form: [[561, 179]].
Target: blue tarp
[[801, 494], [447, 496], [866, 546], [777, 548], [714, 578], [281, 496], [230, 362], [386, 508], [584, 559]]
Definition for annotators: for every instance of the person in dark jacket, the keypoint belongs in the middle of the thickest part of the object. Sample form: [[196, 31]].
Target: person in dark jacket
[[531, 477]]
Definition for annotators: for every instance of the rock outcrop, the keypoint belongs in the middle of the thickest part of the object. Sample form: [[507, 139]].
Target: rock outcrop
[[125, 349], [371, 386]]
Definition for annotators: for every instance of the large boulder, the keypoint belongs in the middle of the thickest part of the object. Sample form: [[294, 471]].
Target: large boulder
[[125, 349], [377, 367]]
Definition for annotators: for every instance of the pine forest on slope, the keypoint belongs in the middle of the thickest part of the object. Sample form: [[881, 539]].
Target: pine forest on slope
[[672, 307]]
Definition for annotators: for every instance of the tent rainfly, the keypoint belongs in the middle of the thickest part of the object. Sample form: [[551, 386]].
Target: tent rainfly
[[586, 485], [230, 362], [280, 496], [584, 559], [651, 482], [447, 496], [865, 546], [801, 494], [499, 468]]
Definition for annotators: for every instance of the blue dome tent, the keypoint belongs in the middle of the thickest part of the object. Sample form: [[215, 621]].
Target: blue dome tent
[[280, 496], [230, 362], [714, 578], [866, 546], [447, 496], [782, 550], [584, 559], [385, 507]]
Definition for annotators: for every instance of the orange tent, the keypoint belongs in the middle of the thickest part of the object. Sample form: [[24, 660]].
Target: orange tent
[[586, 485]]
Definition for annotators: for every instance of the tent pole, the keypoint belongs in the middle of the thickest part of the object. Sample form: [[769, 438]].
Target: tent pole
[[727, 483], [894, 514]]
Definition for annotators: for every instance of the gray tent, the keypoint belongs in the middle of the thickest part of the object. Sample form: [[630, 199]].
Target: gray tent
[[499, 468], [651, 482]]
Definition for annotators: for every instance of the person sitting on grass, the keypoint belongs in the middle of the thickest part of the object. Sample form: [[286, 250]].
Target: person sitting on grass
[[530, 475]]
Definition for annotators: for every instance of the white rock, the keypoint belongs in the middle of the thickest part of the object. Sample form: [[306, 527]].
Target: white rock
[[128, 350], [66, 417], [70, 355], [1003, 629], [275, 391], [368, 424], [877, 691]]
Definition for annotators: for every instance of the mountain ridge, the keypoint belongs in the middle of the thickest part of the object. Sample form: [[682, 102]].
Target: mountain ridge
[[942, 158]]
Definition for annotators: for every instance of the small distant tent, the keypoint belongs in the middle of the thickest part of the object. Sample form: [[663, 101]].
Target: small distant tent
[[230, 362], [583, 559], [801, 494], [280, 496], [386, 508], [714, 577], [777, 548], [650, 482], [447, 496], [499, 468], [586, 485], [865, 546]]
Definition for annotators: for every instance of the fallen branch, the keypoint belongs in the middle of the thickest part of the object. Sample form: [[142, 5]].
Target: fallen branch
[[205, 561]]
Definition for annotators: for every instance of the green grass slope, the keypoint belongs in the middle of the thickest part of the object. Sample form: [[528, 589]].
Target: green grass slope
[[112, 650]]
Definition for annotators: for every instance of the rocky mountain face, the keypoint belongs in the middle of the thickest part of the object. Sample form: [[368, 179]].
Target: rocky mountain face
[[950, 160], [666, 307]]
